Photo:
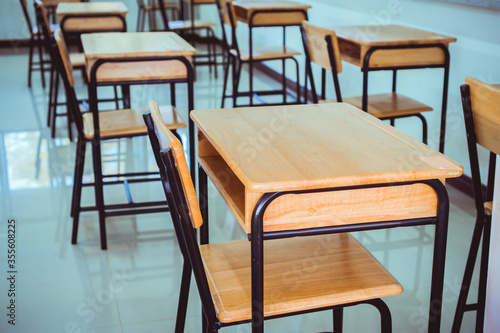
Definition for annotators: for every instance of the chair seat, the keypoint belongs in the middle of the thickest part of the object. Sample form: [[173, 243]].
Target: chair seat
[[340, 271], [266, 53], [389, 105], [185, 25], [489, 206], [77, 59], [128, 122]]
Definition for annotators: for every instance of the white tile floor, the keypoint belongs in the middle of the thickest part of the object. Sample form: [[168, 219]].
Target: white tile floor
[[133, 287]]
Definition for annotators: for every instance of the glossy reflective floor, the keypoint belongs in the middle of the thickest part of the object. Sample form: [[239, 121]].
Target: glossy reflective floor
[[133, 286]]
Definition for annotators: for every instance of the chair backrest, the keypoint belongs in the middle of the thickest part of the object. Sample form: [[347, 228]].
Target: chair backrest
[[318, 48], [227, 13], [183, 209], [481, 106], [485, 102], [63, 51], [24, 7], [168, 140], [60, 59], [43, 22], [321, 47]]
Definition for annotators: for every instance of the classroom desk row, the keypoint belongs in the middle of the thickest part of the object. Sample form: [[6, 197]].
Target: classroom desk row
[[307, 162]]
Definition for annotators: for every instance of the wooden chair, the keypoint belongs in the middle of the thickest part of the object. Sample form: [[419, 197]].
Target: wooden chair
[[321, 47], [190, 27], [77, 61], [236, 57], [481, 106], [149, 10], [96, 127], [35, 34], [346, 273]]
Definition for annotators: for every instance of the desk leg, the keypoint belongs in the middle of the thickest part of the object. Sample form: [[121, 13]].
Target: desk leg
[[438, 264], [257, 252], [203, 195], [250, 65], [444, 104]]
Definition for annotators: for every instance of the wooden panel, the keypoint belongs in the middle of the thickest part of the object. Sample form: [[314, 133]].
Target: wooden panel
[[63, 51], [485, 100], [281, 148], [226, 16], [128, 122], [350, 52], [406, 57], [182, 167], [106, 23], [137, 70], [390, 35], [489, 206], [317, 47], [244, 10], [301, 273], [389, 105], [314, 210]]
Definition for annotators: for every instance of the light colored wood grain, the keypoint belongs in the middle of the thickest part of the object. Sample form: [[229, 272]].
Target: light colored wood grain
[[102, 23], [389, 105], [77, 59], [317, 47], [257, 150], [63, 51], [267, 53], [485, 100], [54, 3], [315, 146], [128, 122], [299, 274], [225, 12], [168, 139], [355, 41], [244, 10], [137, 70], [134, 45], [489, 206]]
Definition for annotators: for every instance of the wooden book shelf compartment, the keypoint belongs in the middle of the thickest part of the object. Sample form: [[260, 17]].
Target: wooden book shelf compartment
[[292, 212], [354, 53]]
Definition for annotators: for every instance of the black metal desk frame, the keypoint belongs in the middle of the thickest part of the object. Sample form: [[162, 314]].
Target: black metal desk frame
[[130, 207], [258, 236], [446, 66]]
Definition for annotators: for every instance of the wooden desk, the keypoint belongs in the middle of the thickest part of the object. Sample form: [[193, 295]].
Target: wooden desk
[[92, 16], [309, 169], [395, 47], [115, 58], [275, 13], [270, 13]]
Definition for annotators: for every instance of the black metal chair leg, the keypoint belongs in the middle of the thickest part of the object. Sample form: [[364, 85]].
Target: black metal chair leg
[[338, 320], [424, 128], [385, 314], [183, 297], [77, 187], [483, 275], [224, 86], [51, 95], [30, 61], [99, 195], [40, 56]]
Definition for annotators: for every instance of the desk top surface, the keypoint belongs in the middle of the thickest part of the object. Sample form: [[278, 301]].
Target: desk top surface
[[109, 45], [66, 8], [372, 35], [54, 3], [274, 4], [296, 147]]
